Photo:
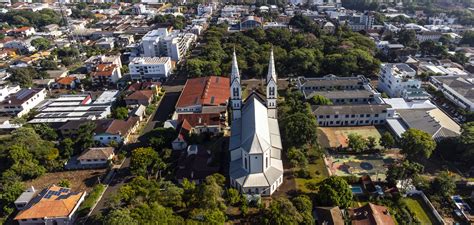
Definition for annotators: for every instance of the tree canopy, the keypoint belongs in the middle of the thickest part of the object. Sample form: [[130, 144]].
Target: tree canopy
[[416, 142], [334, 191]]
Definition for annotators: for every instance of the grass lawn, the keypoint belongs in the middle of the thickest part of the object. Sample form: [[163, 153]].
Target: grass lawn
[[416, 208], [318, 173]]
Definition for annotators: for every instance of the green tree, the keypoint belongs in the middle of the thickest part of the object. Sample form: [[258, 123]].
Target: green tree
[[299, 129], [403, 171], [46, 132], [387, 140], [232, 196], [356, 142], [417, 143], [335, 191], [120, 113], [320, 100], [67, 147], [41, 43], [144, 160], [444, 184], [297, 157], [48, 64], [371, 142], [85, 138], [281, 211], [64, 183], [120, 217], [210, 192], [467, 38], [407, 38], [304, 205]]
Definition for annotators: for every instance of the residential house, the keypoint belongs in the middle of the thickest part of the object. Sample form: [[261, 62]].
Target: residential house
[[184, 129], [428, 36], [371, 214], [213, 123], [21, 46], [92, 62], [203, 92], [96, 156], [66, 83], [147, 85], [53, 205], [140, 97], [105, 74], [329, 216], [23, 32], [20, 103], [107, 43]]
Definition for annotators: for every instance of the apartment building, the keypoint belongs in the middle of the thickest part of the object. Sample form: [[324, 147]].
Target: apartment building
[[105, 74], [352, 115], [150, 68], [163, 42], [395, 78]]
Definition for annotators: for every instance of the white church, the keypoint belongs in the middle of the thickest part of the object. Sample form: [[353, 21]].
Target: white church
[[255, 145]]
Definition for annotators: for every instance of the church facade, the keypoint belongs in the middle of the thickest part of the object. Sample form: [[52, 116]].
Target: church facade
[[255, 144]]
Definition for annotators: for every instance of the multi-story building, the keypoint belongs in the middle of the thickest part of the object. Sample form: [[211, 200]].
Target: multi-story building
[[428, 36], [458, 89], [150, 68], [395, 78], [352, 115], [20, 103], [165, 43], [93, 61], [6, 90], [105, 74]]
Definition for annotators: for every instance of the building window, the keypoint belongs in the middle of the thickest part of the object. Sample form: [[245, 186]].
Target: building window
[[272, 91], [266, 162], [245, 163]]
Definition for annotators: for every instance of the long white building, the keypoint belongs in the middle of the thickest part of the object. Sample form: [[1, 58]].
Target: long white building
[[150, 68], [163, 42], [255, 145]]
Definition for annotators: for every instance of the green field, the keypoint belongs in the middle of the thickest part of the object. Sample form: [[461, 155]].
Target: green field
[[318, 173], [416, 207]]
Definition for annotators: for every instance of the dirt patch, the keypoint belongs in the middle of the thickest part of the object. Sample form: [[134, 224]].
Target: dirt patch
[[333, 137], [81, 180]]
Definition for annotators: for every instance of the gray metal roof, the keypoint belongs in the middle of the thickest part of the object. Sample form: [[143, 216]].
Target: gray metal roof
[[349, 109]]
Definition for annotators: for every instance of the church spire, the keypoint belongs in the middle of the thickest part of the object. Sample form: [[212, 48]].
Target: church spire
[[235, 68], [235, 89], [271, 68]]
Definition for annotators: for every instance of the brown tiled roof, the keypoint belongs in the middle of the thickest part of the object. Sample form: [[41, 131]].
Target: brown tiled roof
[[371, 214], [196, 166], [142, 86], [66, 80], [97, 153], [51, 203], [141, 95], [121, 127], [329, 215], [201, 119], [21, 29], [183, 129], [210, 90]]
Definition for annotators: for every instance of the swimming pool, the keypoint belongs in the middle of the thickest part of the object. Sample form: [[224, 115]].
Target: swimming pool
[[356, 189]]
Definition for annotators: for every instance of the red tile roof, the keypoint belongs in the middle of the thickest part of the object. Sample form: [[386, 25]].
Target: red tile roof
[[21, 29], [104, 70], [200, 119], [210, 91], [371, 214], [56, 202], [66, 80]]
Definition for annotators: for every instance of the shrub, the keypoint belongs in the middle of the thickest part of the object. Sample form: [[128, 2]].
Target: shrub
[[91, 199]]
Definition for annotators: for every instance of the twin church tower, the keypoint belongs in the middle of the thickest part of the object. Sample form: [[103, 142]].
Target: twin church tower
[[236, 89]]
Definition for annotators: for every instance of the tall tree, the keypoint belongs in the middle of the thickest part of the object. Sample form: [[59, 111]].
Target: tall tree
[[335, 191], [416, 142], [387, 140], [356, 142], [281, 211]]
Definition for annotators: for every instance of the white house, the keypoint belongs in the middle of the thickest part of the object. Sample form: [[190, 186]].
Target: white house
[[395, 78], [20, 103], [150, 68], [96, 156], [255, 145]]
